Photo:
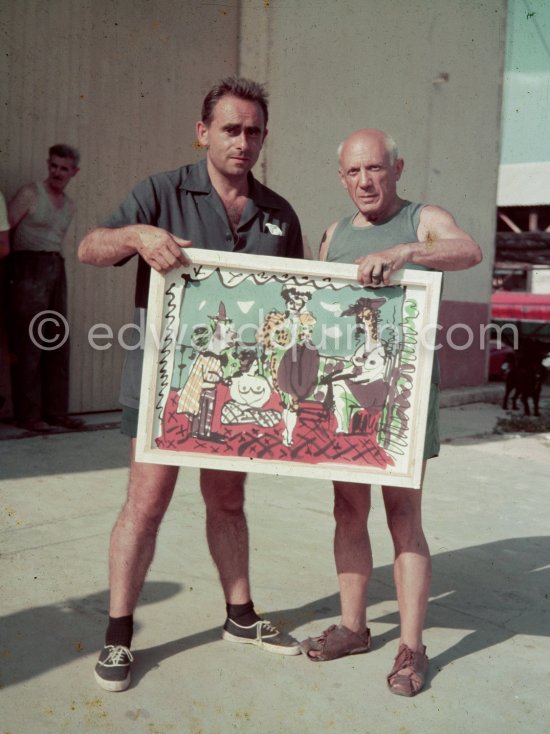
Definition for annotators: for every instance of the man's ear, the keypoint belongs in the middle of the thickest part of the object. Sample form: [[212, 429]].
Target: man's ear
[[202, 133], [265, 135], [342, 179], [399, 165]]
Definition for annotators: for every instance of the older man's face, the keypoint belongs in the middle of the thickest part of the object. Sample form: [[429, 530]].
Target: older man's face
[[60, 171], [369, 177]]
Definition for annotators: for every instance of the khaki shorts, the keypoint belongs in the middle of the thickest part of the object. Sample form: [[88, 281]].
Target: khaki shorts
[[432, 444]]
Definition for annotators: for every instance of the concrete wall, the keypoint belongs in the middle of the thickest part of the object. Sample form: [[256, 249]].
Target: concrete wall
[[124, 82], [428, 73]]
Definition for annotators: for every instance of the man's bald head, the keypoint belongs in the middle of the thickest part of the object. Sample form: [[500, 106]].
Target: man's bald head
[[369, 171], [371, 133]]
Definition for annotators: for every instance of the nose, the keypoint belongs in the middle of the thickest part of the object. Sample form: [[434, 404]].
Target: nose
[[365, 179], [242, 141]]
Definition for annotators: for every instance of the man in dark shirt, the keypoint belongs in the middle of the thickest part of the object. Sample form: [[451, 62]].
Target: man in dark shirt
[[214, 204]]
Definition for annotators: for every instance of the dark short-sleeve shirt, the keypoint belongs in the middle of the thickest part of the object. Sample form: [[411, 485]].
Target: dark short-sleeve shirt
[[185, 203]]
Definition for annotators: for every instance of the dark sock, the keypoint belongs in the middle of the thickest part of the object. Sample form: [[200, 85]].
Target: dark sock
[[120, 631], [243, 614]]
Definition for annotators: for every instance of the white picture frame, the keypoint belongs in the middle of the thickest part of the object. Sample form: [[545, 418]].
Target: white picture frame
[[289, 367]]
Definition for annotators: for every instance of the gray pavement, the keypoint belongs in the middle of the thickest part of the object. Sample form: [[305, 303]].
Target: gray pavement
[[488, 624]]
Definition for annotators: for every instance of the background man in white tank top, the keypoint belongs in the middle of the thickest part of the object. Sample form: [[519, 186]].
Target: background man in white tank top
[[40, 214]]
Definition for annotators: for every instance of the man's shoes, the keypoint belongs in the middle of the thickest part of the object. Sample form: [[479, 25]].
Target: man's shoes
[[112, 670], [336, 642], [65, 421], [409, 672], [262, 634], [36, 425]]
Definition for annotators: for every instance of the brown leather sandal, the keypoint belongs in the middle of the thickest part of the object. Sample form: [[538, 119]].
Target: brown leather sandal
[[411, 683], [336, 642]]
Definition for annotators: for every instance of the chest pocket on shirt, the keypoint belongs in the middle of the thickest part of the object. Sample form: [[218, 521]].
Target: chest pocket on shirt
[[269, 244]]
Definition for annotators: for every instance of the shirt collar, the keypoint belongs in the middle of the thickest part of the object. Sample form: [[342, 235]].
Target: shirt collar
[[198, 181]]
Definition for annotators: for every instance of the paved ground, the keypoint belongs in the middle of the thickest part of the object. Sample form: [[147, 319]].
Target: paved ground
[[488, 626]]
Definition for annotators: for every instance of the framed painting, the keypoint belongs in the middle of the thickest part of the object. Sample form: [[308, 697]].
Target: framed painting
[[291, 367]]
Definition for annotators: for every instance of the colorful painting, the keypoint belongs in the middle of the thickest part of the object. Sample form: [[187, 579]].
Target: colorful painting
[[289, 367]]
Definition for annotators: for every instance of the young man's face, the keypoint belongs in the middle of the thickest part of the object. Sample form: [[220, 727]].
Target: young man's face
[[234, 137], [60, 171]]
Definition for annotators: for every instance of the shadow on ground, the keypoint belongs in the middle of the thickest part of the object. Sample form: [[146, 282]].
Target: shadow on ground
[[492, 592], [64, 453]]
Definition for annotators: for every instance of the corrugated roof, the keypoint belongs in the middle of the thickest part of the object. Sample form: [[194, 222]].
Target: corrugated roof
[[524, 184]]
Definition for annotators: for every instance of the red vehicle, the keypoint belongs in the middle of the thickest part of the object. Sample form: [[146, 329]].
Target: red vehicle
[[520, 314]]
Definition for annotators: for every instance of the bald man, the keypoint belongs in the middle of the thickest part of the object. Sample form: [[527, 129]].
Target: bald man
[[384, 234]]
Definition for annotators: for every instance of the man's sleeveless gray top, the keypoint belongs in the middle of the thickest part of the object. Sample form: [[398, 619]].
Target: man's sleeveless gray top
[[44, 228], [350, 242]]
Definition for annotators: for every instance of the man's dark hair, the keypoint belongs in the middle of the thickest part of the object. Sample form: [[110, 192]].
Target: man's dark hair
[[237, 87], [65, 151]]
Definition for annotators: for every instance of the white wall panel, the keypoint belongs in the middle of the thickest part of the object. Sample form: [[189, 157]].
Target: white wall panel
[[123, 81], [427, 72]]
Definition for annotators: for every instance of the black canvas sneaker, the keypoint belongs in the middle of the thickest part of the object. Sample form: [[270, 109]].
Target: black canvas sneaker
[[112, 670], [262, 634]]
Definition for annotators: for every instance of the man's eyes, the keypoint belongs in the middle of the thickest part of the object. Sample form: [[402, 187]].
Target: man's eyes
[[370, 169], [250, 133]]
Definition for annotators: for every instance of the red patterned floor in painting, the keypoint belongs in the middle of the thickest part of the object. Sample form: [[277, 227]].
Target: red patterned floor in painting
[[314, 438]]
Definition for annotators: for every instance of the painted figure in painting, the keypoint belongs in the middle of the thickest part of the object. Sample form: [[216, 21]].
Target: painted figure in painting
[[198, 395], [363, 383], [249, 393], [217, 204], [385, 234], [291, 358]]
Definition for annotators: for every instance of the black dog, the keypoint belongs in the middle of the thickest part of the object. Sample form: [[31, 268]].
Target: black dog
[[525, 379]]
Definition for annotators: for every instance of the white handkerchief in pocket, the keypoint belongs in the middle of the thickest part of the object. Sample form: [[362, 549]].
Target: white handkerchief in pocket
[[274, 229]]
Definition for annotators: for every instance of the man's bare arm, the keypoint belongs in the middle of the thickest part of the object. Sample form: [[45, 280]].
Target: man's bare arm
[[161, 250], [325, 241], [21, 204], [442, 245]]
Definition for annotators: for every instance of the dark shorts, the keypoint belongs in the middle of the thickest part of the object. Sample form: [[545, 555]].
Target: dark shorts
[[129, 421]]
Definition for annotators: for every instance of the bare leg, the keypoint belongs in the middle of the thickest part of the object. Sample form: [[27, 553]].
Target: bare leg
[[412, 565], [134, 535], [353, 557], [227, 531], [352, 551]]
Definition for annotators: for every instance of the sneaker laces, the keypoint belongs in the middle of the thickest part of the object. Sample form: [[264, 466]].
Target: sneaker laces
[[264, 625], [117, 654]]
